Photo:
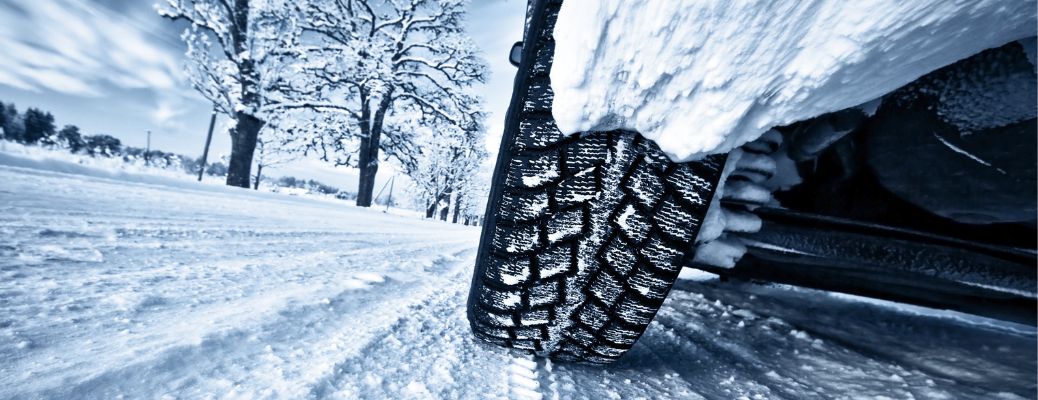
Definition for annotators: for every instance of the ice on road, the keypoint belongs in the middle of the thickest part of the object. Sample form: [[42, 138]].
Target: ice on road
[[111, 288]]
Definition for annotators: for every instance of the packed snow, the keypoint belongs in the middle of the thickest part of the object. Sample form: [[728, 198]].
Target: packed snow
[[745, 179], [156, 288], [704, 77]]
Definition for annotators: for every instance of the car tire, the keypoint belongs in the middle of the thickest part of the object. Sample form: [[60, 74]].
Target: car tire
[[584, 234]]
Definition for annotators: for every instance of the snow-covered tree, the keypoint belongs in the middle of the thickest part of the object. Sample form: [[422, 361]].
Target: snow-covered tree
[[235, 51], [70, 138], [102, 145], [39, 125], [442, 159], [5, 119], [13, 122], [472, 199], [371, 60]]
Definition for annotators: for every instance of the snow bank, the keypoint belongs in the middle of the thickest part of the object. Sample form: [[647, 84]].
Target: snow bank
[[43, 159], [705, 76], [39, 158], [60, 160]]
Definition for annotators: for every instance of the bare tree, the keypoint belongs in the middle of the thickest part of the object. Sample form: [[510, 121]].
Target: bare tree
[[371, 60], [234, 50], [271, 150], [284, 137]]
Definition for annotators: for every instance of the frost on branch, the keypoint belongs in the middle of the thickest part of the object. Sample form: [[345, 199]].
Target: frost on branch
[[375, 62], [235, 65], [237, 55]]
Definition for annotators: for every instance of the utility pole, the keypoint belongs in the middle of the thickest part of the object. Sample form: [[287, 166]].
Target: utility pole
[[147, 150], [208, 139]]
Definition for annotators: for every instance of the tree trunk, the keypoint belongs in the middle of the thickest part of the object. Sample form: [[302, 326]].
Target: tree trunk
[[243, 144], [369, 146], [457, 209], [446, 207], [259, 174], [368, 164], [247, 126], [430, 210]]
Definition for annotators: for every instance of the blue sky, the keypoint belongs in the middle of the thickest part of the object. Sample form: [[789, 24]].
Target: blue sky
[[114, 66]]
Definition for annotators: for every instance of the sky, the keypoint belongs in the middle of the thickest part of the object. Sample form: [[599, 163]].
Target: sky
[[114, 67]]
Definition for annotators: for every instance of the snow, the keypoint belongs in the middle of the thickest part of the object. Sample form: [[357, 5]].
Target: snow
[[744, 178], [537, 180], [202, 291], [969, 155], [60, 160], [627, 213], [723, 252], [704, 77], [38, 157]]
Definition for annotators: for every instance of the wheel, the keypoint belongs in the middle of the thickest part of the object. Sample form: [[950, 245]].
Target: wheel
[[585, 234]]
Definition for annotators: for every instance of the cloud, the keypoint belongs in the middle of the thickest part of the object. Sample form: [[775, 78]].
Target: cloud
[[79, 48], [163, 113], [170, 111]]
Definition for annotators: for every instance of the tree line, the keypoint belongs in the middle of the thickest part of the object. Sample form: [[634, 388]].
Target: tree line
[[353, 82], [37, 127]]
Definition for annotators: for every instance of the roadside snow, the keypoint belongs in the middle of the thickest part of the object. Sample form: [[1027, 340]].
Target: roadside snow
[[704, 77], [115, 169]]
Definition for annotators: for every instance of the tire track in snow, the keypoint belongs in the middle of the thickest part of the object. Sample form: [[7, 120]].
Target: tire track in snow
[[739, 353], [523, 379], [263, 294], [826, 341], [531, 378], [227, 278], [696, 366], [546, 377], [640, 374], [116, 237], [428, 353], [281, 357]]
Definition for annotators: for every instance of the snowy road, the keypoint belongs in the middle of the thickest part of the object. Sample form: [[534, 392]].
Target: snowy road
[[144, 290]]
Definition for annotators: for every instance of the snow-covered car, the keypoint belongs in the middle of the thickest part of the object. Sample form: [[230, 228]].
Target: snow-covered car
[[903, 169]]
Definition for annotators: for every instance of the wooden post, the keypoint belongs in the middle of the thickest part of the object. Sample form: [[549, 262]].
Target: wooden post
[[147, 150], [390, 199], [208, 139], [259, 174]]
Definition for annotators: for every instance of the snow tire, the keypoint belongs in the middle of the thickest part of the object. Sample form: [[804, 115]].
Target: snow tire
[[585, 234]]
